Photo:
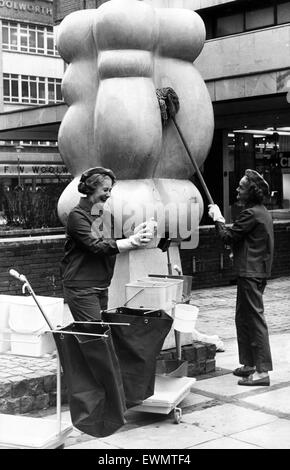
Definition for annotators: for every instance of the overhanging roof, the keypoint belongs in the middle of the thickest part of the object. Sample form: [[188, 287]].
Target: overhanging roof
[[37, 123]]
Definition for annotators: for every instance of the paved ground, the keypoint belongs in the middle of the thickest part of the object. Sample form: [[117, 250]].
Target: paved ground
[[217, 413]]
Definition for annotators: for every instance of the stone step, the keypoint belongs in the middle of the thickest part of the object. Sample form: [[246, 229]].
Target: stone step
[[29, 383]]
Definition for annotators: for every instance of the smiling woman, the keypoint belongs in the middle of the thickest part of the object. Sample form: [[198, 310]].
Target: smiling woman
[[90, 250]]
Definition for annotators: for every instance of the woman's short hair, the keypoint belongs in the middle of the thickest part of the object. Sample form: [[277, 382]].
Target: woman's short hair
[[94, 177], [258, 187]]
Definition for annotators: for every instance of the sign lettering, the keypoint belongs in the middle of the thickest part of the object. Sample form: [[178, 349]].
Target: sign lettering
[[284, 159], [29, 7], [33, 170]]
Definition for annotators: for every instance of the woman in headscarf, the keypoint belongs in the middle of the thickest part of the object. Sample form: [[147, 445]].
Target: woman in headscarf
[[90, 254], [252, 240]]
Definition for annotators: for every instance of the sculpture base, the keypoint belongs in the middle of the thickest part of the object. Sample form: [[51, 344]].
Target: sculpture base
[[136, 264]]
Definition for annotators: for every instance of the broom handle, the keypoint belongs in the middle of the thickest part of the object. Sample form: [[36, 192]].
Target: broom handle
[[206, 190]]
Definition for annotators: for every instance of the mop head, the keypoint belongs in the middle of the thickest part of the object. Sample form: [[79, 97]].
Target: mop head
[[168, 103]]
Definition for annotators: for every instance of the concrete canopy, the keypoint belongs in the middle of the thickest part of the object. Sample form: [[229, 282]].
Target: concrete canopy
[[33, 123]]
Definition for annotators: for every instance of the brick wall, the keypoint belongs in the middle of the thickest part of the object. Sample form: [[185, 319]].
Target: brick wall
[[37, 259], [209, 264]]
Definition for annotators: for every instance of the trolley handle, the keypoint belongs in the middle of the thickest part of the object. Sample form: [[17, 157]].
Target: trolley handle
[[18, 276]]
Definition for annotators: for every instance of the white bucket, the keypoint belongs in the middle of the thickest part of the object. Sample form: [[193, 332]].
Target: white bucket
[[185, 318]]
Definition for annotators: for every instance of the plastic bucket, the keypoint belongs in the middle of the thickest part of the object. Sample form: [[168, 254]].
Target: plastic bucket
[[185, 318]]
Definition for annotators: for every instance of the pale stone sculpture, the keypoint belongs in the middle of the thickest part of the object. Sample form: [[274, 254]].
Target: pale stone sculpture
[[118, 55]]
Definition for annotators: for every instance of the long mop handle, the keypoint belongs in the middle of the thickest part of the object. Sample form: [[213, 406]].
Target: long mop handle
[[198, 172]]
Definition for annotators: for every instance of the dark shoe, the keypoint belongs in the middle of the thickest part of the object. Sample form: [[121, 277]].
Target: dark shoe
[[241, 372], [265, 381]]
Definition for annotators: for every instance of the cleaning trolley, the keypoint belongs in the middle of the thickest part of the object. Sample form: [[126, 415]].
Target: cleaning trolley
[[171, 386], [24, 432]]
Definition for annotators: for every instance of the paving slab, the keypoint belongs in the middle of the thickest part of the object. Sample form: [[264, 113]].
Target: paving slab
[[222, 386], [225, 443], [227, 419], [275, 401], [275, 435], [164, 435]]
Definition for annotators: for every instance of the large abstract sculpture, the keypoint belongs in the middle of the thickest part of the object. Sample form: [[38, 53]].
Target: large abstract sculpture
[[118, 55]]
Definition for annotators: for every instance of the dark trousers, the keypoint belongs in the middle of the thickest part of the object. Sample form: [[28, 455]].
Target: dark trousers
[[86, 303], [252, 330]]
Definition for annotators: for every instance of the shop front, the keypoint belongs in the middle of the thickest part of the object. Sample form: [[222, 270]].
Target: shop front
[[30, 185], [251, 133]]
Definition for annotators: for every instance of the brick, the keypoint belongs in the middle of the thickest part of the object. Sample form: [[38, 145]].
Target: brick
[[200, 351], [211, 350], [35, 385], [210, 365], [202, 367], [26, 404], [19, 389], [49, 383], [188, 353], [41, 401], [52, 398], [13, 405], [164, 355], [193, 369], [5, 389]]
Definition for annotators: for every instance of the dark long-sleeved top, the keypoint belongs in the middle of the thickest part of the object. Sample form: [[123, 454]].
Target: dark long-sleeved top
[[252, 240], [89, 258]]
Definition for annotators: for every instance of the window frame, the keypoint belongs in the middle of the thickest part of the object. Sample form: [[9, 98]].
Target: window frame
[[31, 82], [43, 35]]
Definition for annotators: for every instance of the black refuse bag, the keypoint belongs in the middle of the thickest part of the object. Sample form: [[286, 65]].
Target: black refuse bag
[[138, 347], [93, 378]]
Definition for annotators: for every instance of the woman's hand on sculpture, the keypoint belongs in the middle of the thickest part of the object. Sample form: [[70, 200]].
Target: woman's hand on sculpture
[[142, 237]]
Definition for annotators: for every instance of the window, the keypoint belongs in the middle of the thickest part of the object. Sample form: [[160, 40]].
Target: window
[[260, 18], [230, 24], [242, 16], [23, 37], [283, 13], [31, 90]]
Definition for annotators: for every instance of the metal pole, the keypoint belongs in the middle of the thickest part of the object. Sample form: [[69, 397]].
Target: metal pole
[[58, 393]]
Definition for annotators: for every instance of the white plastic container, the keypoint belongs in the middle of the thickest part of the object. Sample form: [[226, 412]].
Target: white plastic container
[[25, 316], [152, 295], [185, 318], [28, 326], [177, 285], [4, 325], [35, 345]]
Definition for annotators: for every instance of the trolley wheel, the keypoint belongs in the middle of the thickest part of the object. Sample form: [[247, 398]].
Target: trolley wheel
[[177, 412]]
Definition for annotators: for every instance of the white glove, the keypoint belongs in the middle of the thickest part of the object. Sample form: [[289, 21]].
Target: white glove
[[148, 224], [215, 213], [142, 237]]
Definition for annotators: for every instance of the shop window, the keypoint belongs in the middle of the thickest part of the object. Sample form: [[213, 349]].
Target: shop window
[[283, 13], [230, 24]]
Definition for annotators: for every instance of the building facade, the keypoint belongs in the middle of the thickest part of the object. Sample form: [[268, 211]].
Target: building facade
[[249, 44], [31, 71], [245, 63]]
